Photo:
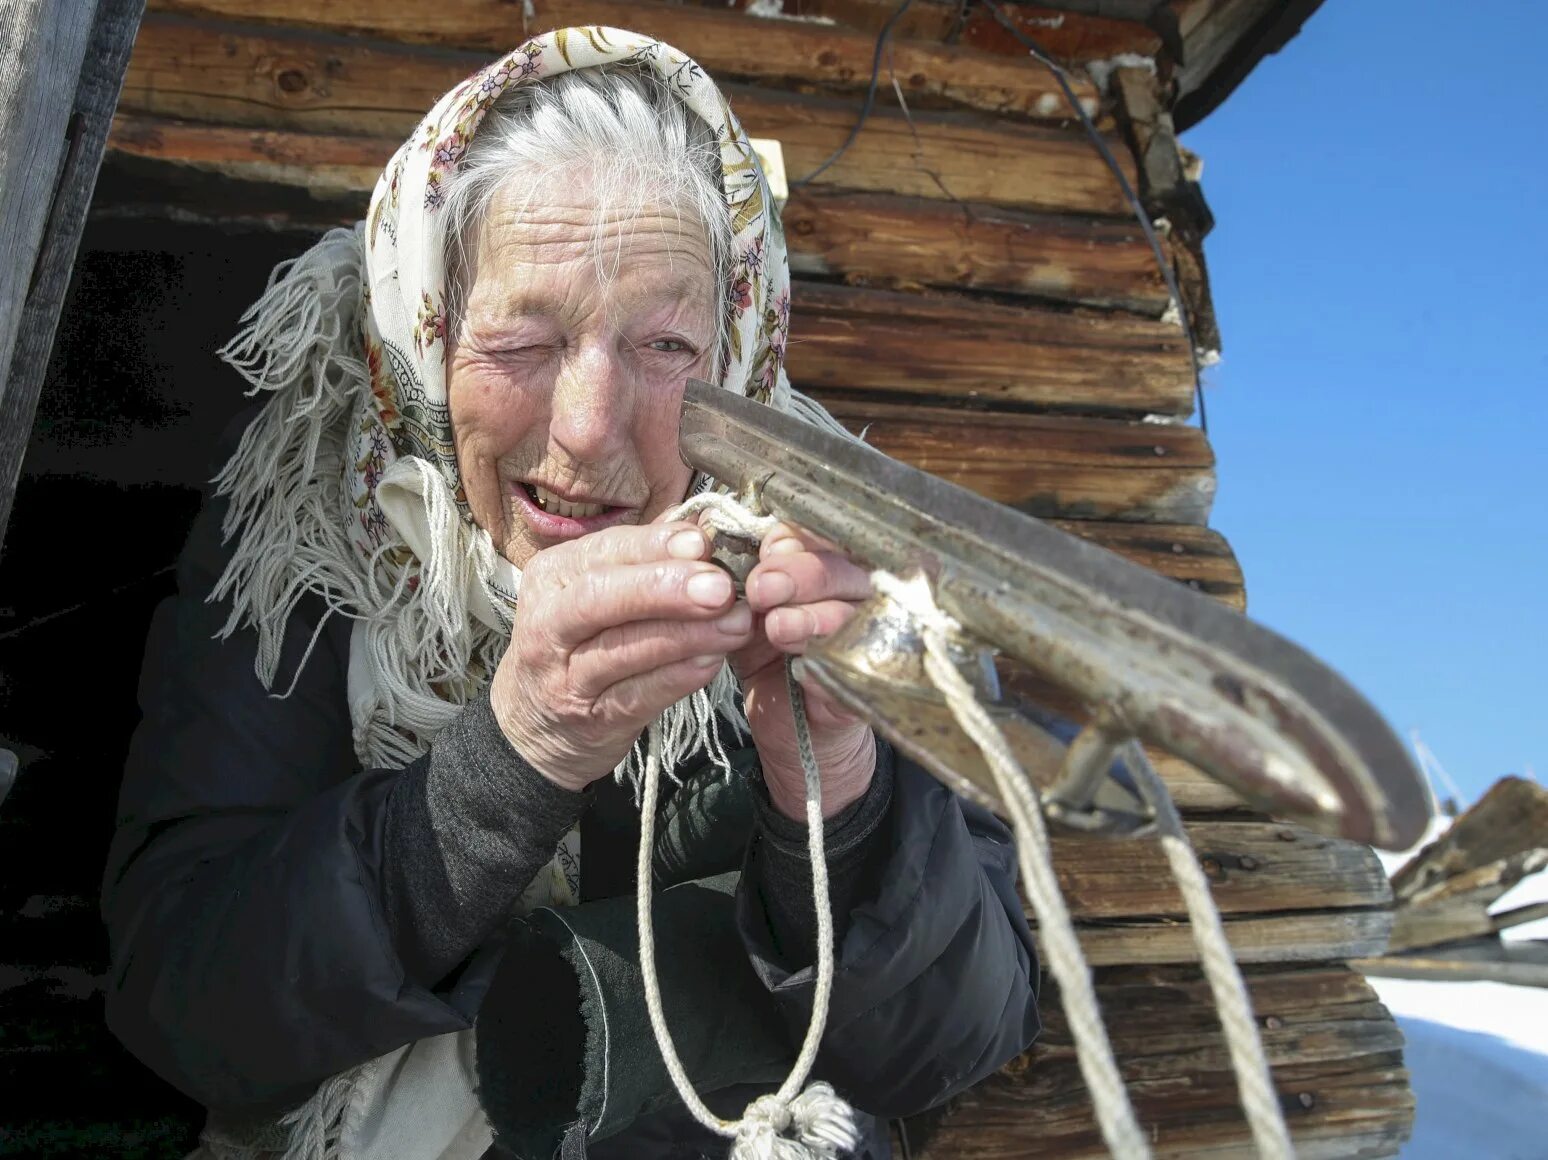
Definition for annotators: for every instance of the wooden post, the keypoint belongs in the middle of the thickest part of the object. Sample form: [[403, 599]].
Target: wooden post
[[61, 68]]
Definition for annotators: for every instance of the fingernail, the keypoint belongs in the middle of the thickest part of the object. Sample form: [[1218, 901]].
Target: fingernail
[[686, 545], [706, 662], [711, 589], [774, 588], [787, 546], [735, 622]]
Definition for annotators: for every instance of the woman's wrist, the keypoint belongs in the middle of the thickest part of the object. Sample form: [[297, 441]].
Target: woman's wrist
[[846, 776]]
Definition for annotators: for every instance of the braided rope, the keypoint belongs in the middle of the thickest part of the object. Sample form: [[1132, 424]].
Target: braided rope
[[789, 1124]]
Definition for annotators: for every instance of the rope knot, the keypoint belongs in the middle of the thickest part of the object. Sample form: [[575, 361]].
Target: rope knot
[[819, 1124]]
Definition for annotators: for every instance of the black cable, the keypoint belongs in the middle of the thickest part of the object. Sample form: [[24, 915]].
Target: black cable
[[1123, 183], [870, 97]]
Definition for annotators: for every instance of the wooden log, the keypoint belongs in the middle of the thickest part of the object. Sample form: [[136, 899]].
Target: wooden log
[[728, 44], [1511, 818], [247, 76], [908, 243], [60, 72], [1457, 908], [1047, 465], [889, 242], [1305, 937], [1485, 960], [1254, 868], [1332, 1048], [842, 338]]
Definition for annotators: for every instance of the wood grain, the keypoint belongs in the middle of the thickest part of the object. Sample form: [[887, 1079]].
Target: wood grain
[[250, 76], [1049, 465], [729, 45], [843, 338], [1332, 1047]]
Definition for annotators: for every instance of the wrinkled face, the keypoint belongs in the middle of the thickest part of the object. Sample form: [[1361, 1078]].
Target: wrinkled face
[[565, 381]]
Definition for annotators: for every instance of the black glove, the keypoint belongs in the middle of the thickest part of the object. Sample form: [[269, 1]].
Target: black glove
[[564, 1037]]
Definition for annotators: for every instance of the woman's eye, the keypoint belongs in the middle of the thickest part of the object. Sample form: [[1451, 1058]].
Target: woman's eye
[[669, 345]]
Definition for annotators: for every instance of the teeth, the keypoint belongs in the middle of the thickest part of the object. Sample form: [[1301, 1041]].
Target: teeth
[[549, 502]]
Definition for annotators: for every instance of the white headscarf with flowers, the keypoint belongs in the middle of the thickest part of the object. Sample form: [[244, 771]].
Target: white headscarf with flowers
[[347, 484]]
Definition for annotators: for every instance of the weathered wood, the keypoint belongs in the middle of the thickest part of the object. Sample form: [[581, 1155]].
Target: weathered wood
[[1332, 1047], [908, 243], [728, 44], [1457, 908], [1511, 818], [1485, 960], [1047, 465], [889, 242], [248, 76], [1254, 868], [1197, 557], [842, 338], [43, 39], [40, 63], [1306, 937]]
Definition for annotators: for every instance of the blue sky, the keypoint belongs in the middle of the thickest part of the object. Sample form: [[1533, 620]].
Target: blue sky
[[1379, 267]]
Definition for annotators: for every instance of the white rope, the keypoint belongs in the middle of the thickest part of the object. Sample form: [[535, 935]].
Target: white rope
[[788, 1124], [1115, 1116], [1255, 1086]]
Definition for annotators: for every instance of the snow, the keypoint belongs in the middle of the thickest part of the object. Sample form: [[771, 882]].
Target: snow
[[1477, 1052], [1478, 1055]]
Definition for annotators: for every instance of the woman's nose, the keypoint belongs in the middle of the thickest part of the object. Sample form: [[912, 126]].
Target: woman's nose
[[592, 404]]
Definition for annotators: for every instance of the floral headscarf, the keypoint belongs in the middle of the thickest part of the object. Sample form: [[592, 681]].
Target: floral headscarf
[[347, 485]]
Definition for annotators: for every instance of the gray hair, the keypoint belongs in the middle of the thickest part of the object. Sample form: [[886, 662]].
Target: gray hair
[[626, 127]]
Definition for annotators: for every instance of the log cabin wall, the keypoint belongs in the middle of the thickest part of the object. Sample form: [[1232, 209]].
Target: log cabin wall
[[971, 285]]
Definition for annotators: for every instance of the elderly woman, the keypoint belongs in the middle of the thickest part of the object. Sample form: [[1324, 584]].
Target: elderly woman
[[363, 759]]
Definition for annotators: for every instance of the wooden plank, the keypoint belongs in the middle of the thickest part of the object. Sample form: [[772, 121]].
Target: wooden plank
[[842, 338], [1511, 818], [1486, 960], [891, 242], [248, 76], [1049, 465], [1254, 868], [1307, 937], [1331, 1045], [908, 243], [1457, 908], [43, 266], [728, 44], [1198, 557], [40, 63]]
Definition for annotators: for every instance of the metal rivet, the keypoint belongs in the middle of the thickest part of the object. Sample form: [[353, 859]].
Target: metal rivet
[[1305, 1099], [1273, 1022], [1178, 549], [292, 80], [1287, 835], [1247, 862]]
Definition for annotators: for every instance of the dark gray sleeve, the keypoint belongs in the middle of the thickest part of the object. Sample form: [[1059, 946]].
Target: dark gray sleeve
[[465, 832], [780, 870], [275, 913]]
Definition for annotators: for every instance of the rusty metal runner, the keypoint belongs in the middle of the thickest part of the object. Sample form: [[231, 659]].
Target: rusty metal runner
[[1151, 658]]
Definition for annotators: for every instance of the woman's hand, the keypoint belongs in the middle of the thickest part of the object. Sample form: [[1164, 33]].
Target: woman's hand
[[609, 631], [803, 588]]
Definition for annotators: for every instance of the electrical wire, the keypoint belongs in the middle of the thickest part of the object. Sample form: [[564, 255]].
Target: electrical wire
[[1168, 276], [870, 97]]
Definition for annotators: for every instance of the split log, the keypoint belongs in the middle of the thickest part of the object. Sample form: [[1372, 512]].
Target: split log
[[1307, 937], [248, 76], [908, 243], [843, 338], [889, 242], [1071, 37], [1049, 465], [730, 45], [1511, 819], [1332, 1047], [1457, 908], [1254, 868]]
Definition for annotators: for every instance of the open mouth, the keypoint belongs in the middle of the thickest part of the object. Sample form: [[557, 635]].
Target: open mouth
[[542, 498]]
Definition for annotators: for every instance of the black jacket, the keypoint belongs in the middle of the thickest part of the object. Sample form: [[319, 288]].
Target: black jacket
[[273, 911]]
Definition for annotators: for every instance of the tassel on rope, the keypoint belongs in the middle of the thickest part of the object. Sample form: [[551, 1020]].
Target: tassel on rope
[[790, 1124]]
